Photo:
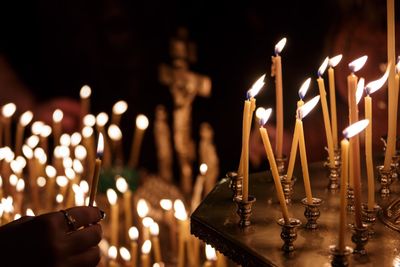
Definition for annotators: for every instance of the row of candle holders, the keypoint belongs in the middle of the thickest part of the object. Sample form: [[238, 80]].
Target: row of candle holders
[[360, 235]]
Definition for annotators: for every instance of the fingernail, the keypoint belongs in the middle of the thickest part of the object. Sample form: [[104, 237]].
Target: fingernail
[[102, 214]]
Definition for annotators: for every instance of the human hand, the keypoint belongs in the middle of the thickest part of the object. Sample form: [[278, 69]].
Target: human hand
[[48, 240]]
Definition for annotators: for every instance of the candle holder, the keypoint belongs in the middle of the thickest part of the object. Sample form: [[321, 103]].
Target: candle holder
[[385, 178], [334, 176], [235, 184], [360, 239], [395, 166], [280, 163], [287, 188], [244, 210], [339, 257], [289, 233], [312, 212], [369, 218], [350, 199]]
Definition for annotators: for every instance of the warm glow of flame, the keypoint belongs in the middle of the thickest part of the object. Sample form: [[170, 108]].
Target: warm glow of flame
[[41, 181], [32, 141], [146, 247], [256, 87], [9, 155], [58, 115], [21, 161], [280, 45], [59, 198], [259, 112], [40, 155], [142, 122], [154, 229], [37, 127], [17, 216], [85, 91], [89, 120], [65, 139], [210, 253], [76, 138], [333, 61], [13, 179], [112, 196], [133, 233], [120, 107], [16, 166], [61, 152], [112, 253], [8, 110], [69, 172], [67, 162], [114, 132], [101, 119], [355, 128], [265, 116], [323, 67], [27, 151], [121, 184], [46, 131], [84, 186], [357, 64], [125, 255], [20, 185], [29, 212], [62, 181], [50, 171], [77, 166], [142, 208], [304, 88], [26, 118], [203, 169], [147, 222], [80, 198], [80, 152], [360, 90], [87, 131], [398, 64], [374, 86], [8, 204], [180, 211], [303, 111], [100, 146], [166, 204]]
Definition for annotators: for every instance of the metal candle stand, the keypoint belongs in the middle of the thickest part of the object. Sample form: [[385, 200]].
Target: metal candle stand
[[244, 210], [369, 218], [360, 239], [385, 178], [289, 233], [287, 187], [312, 212], [280, 163], [334, 176], [340, 258], [350, 199], [235, 184]]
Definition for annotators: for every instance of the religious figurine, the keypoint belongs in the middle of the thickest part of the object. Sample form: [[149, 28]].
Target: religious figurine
[[163, 144], [208, 155], [184, 86]]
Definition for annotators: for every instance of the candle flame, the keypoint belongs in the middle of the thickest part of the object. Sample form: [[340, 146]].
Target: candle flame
[[100, 146], [256, 87], [265, 116], [46, 131], [59, 198], [210, 253], [16, 166], [67, 162], [142, 208], [374, 86], [333, 61], [17, 216], [21, 161], [50, 171], [280, 45], [87, 131], [122, 185], [32, 141], [125, 255], [13, 179], [76, 138], [62, 181], [180, 211], [166, 204], [41, 181], [323, 67], [65, 139], [84, 186], [80, 152], [58, 115], [26, 118], [112, 196], [355, 128], [303, 111], [9, 155], [37, 127], [147, 222], [101, 119], [304, 88], [112, 252], [77, 166], [89, 120], [357, 64], [114, 132], [8, 110], [40, 155], [142, 122], [359, 90], [154, 229], [29, 212], [133, 233], [203, 168], [259, 112], [20, 185], [146, 247], [27, 151], [85, 91], [120, 107]]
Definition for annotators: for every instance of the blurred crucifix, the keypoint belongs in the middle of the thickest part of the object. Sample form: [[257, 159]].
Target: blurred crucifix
[[184, 86]]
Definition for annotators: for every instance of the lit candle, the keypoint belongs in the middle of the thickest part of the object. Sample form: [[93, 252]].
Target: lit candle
[[211, 256], [57, 127], [133, 235], [325, 112], [332, 97], [113, 200], [344, 146], [62, 182], [147, 222], [115, 134], [295, 142], [88, 142], [24, 120], [84, 94], [166, 205], [125, 255], [112, 255], [198, 187], [145, 259], [96, 174], [276, 71], [141, 125], [142, 210], [118, 109], [154, 231], [369, 89], [123, 187], [302, 112], [8, 111], [101, 121], [393, 100], [272, 163], [181, 216], [19, 195], [44, 134]]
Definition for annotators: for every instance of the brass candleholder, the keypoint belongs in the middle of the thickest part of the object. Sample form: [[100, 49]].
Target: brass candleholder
[[280, 163], [334, 177], [385, 178], [340, 258], [350, 199], [235, 184], [289, 233], [369, 218], [395, 166], [244, 210], [360, 239], [312, 212], [287, 187]]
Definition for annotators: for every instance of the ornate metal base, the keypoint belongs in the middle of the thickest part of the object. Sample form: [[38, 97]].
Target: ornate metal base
[[369, 218], [334, 176], [350, 199], [235, 184], [289, 233], [360, 239], [312, 212], [287, 188], [280, 163], [390, 215], [385, 178], [244, 210], [340, 258]]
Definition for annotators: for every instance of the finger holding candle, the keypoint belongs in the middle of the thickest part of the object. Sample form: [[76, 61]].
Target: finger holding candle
[[142, 122], [332, 97], [96, 174]]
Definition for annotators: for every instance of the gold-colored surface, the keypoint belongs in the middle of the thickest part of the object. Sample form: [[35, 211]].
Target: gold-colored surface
[[215, 221]]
